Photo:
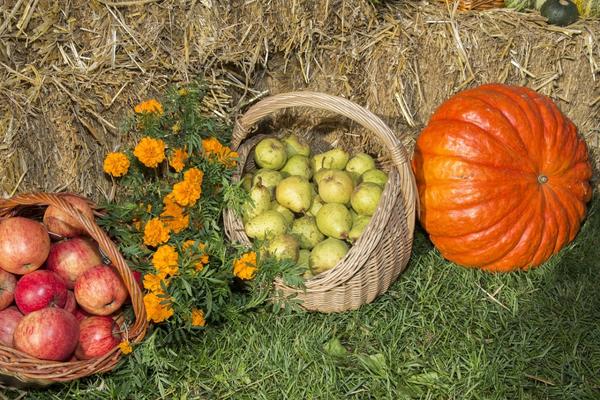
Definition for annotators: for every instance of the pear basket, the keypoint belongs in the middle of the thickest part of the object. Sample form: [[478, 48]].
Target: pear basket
[[21, 370], [383, 250]]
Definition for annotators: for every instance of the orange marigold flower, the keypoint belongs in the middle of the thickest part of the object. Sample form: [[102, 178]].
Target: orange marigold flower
[[155, 232], [150, 152], [198, 317], [186, 193], [116, 164], [245, 266], [125, 347], [177, 160], [151, 106], [165, 260], [213, 148], [152, 281], [155, 311], [193, 175], [169, 200], [173, 216], [198, 255]]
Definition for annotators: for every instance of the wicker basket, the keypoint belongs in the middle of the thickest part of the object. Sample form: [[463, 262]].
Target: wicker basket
[[384, 248], [466, 5], [20, 370]]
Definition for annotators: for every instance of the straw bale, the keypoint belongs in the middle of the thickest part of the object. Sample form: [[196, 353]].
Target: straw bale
[[69, 71]]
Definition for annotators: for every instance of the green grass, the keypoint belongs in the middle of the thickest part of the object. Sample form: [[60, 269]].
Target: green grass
[[436, 334]]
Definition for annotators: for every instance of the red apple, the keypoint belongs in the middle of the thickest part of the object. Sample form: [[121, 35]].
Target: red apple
[[24, 245], [48, 334], [64, 224], [97, 336], [9, 318], [7, 288], [40, 289], [80, 314], [71, 303], [100, 290], [71, 258], [137, 276]]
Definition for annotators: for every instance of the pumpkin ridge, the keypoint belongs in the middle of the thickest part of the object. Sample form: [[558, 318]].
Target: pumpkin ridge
[[538, 230], [551, 123], [576, 179], [562, 236], [518, 172], [520, 207], [549, 231], [538, 123], [507, 150], [574, 215], [501, 247], [458, 171], [524, 105], [568, 149], [485, 96], [472, 94], [469, 195], [520, 252]]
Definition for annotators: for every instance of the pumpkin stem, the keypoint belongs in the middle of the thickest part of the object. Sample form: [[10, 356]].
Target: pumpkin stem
[[542, 179]]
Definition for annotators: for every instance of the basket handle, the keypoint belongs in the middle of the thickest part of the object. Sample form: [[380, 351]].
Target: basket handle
[[105, 243], [322, 101]]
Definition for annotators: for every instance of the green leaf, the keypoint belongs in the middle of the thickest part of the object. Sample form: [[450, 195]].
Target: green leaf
[[335, 348]]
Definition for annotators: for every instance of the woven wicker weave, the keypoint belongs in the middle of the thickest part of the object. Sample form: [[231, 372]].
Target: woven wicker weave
[[384, 248], [466, 5], [21, 370]]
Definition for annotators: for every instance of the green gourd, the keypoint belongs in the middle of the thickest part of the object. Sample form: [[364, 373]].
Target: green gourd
[[560, 12]]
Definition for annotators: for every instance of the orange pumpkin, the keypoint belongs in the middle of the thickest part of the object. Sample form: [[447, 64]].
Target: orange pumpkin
[[503, 178]]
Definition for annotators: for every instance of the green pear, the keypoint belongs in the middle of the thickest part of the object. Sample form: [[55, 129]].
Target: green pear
[[320, 174], [295, 145], [334, 159], [334, 220], [307, 232], [284, 247], [247, 182], [358, 227], [268, 178], [375, 176], [260, 201], [287, 214], [360, 163], [316, 204], [336, 186], [266, 225], [294, 193], [270, 153], [304, 262], [365, 198], [297, 165], [325, 255]]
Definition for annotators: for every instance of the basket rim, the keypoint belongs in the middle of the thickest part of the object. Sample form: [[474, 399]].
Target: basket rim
[[30, 370]]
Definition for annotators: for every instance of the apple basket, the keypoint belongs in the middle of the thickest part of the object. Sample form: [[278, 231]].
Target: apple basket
[[383, 250], [21, 370]]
